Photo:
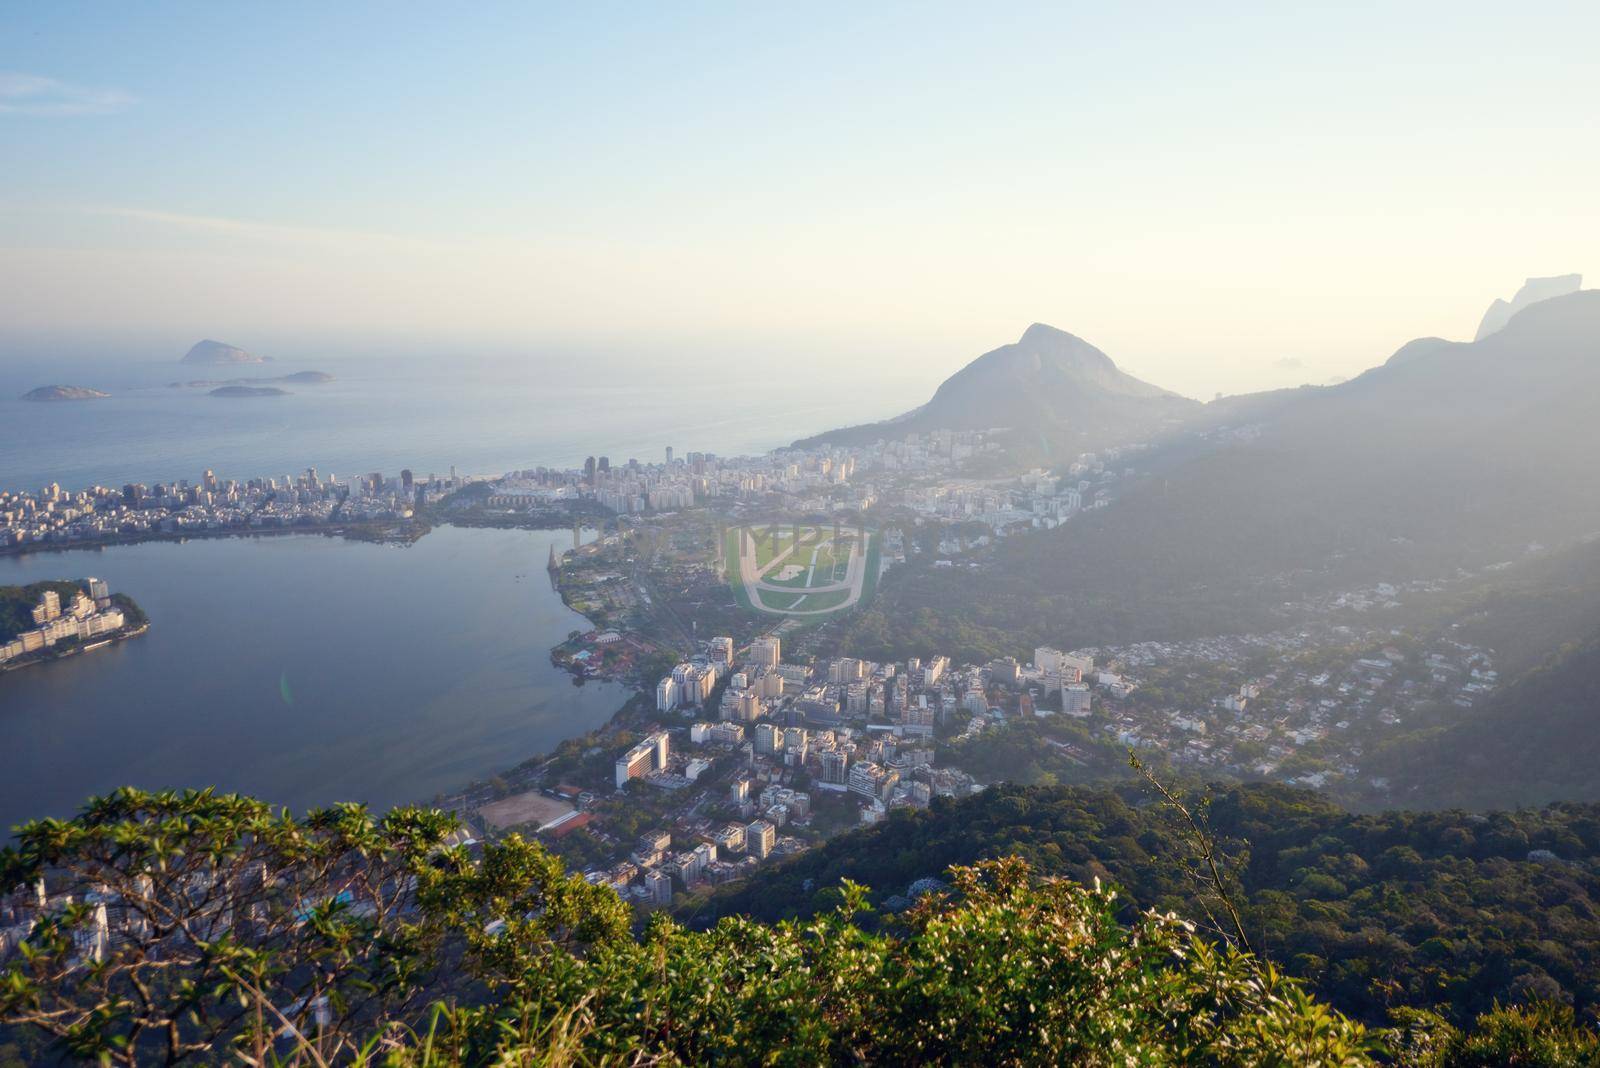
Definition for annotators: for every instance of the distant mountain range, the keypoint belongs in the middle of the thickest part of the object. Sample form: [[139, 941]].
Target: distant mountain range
[[1450, 454], [216, 352], [1048, 385]]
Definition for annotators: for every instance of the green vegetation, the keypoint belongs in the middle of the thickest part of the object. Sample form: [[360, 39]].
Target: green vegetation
[[1449, 911], [245, 934]]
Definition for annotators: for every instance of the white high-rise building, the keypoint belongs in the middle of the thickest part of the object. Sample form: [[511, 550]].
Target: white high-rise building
[[766, 652]]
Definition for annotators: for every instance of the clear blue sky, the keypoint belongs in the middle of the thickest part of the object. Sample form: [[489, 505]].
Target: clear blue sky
[[1220, 197]]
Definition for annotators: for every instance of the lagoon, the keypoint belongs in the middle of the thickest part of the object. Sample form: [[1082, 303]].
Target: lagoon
[[300, 668]]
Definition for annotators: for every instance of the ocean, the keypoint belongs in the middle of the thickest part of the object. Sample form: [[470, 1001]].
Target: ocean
[[482, 416]]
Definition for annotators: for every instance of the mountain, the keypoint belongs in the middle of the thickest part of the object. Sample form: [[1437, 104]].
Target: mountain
[[215, 352], [63, 393], [1047, 384], [1532, 291], [1448, 456]]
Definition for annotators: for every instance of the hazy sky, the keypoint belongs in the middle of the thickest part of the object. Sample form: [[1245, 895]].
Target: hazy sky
[[1220, 197]]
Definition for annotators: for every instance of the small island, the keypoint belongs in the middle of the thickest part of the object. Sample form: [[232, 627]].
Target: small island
[[248, 391], [63, 393], [217, 352], [49, 620]]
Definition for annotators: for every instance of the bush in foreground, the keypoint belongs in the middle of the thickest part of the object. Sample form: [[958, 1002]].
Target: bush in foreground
[[197, 926]]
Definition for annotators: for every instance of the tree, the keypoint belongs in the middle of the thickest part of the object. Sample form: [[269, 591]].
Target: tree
[[168, 925]]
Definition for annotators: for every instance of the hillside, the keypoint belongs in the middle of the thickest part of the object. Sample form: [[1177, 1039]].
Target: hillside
[[1049, 386], [1538, 740], [1399, 908]]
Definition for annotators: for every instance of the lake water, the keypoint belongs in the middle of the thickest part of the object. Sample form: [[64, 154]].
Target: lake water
[[301, 669]]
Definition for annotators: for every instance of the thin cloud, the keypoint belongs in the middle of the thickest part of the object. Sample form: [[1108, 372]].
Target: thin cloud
[[32, 94], [275, 233], [300, 235]]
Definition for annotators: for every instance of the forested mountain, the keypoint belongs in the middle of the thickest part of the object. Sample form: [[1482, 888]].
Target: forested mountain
[[1374, 911], [1048, 386]]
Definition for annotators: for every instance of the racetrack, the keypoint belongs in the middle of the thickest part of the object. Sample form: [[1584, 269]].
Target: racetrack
[[812, 578]]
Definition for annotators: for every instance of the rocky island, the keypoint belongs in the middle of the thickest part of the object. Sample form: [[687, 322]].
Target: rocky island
[[248, 391], [63, 393], [216, 352]]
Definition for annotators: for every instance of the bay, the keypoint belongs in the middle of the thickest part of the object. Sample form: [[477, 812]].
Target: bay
[[302, 669]]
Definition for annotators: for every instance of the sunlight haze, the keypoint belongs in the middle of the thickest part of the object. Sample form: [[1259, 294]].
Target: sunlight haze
[[1222, 201]]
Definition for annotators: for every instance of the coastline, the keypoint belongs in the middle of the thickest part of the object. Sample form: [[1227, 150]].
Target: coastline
[[393, 532], [353, 532]]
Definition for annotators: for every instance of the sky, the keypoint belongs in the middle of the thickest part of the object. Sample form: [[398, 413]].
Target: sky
[[1221, 197]]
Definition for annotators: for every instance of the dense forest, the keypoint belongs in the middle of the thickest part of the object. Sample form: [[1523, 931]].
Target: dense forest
[[1448, 910]]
